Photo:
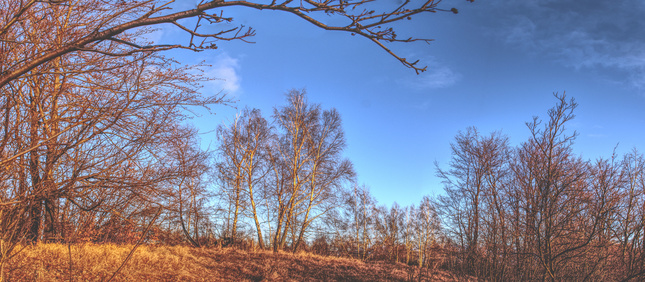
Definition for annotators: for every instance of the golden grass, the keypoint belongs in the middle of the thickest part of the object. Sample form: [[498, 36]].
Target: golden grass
[[90, 262]]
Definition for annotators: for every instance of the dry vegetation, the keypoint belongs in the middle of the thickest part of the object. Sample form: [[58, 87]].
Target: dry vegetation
[[91, 262]]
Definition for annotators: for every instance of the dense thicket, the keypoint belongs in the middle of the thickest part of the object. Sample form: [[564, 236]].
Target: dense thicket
[[538, 211]]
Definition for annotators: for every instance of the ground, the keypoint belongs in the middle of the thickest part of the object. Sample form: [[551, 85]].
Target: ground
[[90, 262]]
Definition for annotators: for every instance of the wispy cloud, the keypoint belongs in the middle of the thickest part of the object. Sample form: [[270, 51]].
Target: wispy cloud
[[521, 32], [225, 74], [595, 34], [437, 76]]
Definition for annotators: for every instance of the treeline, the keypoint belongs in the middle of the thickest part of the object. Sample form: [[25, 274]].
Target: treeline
[[538, 211], [115, 162], [285, 185], [99, 155]]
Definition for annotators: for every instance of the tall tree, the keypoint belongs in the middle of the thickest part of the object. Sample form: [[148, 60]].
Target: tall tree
[[244, 163], [327, 171], [93, 122], [558, 216], [192, 166], [387, 228], [407, 230], [426, 228], [472, 205], [230, 168], [360, 207], [93, 131], [629, 226], [310, 148]]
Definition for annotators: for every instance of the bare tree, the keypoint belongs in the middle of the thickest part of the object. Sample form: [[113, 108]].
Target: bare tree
[[230, 168], [327, 170], [559, 218], [472, 205], [85, 138], [191, 163], [540, 212], [109, 28], [387, 229], [629, 225], [309, 150], [257, 135], [244, 164], [360, 206], [407, 229], [86, 149], [426, 229]]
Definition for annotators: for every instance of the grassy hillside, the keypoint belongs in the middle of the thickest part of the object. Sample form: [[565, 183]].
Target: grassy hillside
[[51, 262]]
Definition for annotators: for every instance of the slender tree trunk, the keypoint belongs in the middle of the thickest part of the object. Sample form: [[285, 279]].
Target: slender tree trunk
[[276, 237], [237, 210], [305, 222], [255, 217], [181, 218], [302, 230], [34, 170]]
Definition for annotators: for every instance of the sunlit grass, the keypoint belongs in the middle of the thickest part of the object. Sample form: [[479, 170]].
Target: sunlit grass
[[91, 262]]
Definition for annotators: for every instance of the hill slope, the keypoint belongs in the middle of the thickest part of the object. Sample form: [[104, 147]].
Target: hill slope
[[51, 262]]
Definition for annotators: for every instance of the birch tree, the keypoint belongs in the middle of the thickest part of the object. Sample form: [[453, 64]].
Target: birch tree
[[310, 147]]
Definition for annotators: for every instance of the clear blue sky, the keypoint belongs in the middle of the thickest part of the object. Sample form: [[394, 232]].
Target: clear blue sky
[[492, 66]]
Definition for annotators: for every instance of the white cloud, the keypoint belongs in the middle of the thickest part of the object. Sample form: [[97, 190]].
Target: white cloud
[[225, 74], [437, 76]]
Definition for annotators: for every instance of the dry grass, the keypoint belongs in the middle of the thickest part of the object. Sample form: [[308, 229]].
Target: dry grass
[[50, 262]]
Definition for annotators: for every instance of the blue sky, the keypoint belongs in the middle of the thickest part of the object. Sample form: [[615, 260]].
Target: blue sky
[[494, 66]]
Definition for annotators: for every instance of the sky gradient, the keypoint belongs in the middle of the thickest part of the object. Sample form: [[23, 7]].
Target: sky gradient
[[494, 66]]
